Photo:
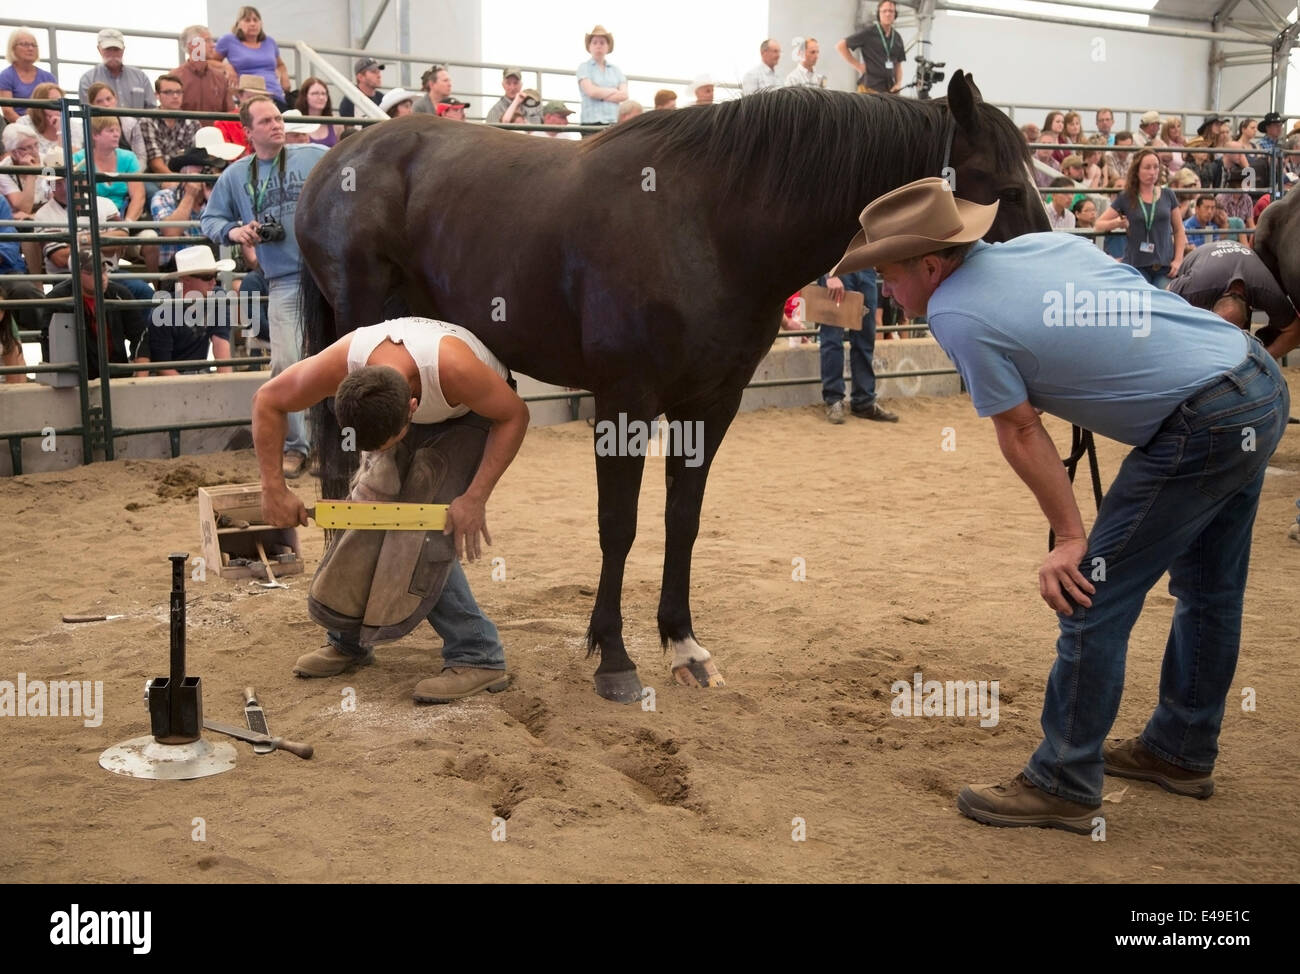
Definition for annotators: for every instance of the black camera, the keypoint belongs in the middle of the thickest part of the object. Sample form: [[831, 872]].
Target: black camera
[[927, 75], [270, 230]]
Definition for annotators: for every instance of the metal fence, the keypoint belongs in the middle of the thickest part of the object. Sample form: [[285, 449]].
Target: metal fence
[[97, 430]]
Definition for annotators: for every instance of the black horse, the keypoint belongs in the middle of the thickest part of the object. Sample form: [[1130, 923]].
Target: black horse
[[1277, 242], [648, 265]]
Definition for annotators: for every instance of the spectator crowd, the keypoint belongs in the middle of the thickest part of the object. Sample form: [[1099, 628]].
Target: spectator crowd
[[1153, 194]]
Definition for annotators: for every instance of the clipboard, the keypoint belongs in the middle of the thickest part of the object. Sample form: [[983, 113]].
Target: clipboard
[[818, 307]]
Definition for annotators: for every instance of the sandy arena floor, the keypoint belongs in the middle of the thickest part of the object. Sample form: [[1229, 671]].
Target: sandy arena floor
[[917, 559]]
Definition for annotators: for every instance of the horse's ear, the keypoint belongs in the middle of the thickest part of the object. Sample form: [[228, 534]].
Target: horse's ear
[[964, 99]]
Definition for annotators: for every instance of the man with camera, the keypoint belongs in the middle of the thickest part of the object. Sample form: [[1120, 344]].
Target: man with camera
[[519, 105], [253, 204]]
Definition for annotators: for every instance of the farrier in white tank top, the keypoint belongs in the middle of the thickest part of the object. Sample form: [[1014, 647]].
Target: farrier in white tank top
[[421, 337]]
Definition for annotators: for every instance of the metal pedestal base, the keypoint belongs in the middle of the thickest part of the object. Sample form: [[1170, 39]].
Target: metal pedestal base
[[143, 757]]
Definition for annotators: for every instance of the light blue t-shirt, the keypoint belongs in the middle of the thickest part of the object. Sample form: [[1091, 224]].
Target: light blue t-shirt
[[1049, 318], [595, 111], [236, 200]]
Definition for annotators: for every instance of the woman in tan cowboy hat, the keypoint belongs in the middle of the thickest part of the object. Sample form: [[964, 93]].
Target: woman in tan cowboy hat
[[1046, 322], [602, 84]]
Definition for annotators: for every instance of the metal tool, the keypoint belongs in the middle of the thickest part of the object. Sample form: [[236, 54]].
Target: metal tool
[[92, 618], [293, 747], [376, 516], [255, 718], [271, 580]]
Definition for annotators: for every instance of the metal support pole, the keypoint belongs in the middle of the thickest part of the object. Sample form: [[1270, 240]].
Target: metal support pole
[[364, 39], [404, 39], [96, 255], [78, 307]]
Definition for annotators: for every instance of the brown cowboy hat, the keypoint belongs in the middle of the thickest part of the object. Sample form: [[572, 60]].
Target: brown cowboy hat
[[915, 219], [599, 31]]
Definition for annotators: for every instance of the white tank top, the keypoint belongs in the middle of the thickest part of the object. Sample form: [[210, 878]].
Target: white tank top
[[421, 337]]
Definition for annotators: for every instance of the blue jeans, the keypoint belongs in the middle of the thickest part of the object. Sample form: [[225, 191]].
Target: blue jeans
[[1156, 276], [1183, 503], [862, 345], [286, 348], [469, 638]]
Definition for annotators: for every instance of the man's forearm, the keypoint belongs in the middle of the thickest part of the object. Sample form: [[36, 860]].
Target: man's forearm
[[503, 442], [1286, 340], [1032, 455], [269, 428]]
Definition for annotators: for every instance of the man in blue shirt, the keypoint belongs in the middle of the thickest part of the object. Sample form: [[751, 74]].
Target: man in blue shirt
[[1046, 322], [1201, 219], [254, 203]]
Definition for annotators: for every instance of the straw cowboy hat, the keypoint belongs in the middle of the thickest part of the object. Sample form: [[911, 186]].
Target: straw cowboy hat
[[599, 31], [915, 219]]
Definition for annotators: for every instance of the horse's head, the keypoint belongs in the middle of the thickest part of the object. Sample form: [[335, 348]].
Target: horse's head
[[991, 160]]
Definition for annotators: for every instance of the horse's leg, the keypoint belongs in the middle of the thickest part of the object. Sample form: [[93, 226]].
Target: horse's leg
[[358, 282], [618, 483], [687, 471]]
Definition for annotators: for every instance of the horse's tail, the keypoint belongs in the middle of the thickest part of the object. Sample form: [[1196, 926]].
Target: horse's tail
[[319, 332]]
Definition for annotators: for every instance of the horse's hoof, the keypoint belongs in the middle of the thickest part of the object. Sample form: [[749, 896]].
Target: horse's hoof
[[698, 673], [621, 687]]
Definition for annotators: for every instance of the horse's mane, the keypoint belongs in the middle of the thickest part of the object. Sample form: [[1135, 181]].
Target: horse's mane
[[769, 140]]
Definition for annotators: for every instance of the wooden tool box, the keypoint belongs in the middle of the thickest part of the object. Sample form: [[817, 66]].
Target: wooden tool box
[[243, 502]]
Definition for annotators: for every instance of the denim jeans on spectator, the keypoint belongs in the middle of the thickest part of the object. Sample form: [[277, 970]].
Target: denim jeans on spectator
[[862, 346], [1183, 503], [1156, 276], [286, 348], [469, 638]]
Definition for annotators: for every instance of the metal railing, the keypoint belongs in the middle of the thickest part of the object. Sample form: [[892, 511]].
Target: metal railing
[[97, 429]]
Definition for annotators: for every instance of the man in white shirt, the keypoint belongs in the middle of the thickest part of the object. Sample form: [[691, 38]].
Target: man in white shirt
[[807, 51], [763, 75], [435, 413]]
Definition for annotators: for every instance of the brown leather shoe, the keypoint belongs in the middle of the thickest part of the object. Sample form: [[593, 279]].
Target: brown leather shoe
[[1018, 803], [457, 682], [1131, 759], [293, 464], [328, 661]]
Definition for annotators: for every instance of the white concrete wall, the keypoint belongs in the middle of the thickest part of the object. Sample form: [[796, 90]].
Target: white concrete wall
[[193, 398], [1021, 61], [135, 403]]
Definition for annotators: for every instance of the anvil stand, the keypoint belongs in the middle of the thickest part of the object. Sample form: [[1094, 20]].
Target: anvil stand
[[175, 750]]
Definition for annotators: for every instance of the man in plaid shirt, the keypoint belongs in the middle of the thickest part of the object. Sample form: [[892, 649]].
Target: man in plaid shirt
[[165, 138]]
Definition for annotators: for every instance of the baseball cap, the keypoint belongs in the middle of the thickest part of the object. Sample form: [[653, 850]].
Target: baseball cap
[[111, 37], [1073, 159], [512, 73], [556, 108], [451, 101], [1149, 117], [366, 63]]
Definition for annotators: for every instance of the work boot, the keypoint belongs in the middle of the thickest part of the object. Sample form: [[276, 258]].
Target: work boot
[[835, 413], [328, 661], [455, 682], [293, 464], [1018, 803], [875, 412], [1131, 759]]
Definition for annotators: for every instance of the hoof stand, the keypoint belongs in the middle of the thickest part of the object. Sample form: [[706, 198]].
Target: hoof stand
[[699, 674], [623, 687]]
